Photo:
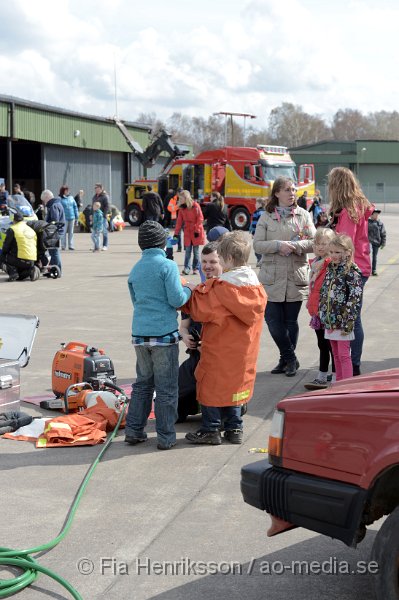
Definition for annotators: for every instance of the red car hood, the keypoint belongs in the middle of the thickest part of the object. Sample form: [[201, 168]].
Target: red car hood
[[378, 381]]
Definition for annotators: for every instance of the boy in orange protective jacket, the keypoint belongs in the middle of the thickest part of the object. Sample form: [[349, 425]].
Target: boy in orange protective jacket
[[231, 309], [173, 208]]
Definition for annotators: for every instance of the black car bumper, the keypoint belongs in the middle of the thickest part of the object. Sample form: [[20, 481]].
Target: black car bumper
[[329, 507]]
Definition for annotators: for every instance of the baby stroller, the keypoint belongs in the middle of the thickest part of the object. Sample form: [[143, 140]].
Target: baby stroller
[[48, 236]]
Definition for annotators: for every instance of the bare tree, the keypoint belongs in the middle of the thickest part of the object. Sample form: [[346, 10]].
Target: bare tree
[[290, 126], [349, 124], [153, 123], [257, 136], [384, 125], [202, 133]]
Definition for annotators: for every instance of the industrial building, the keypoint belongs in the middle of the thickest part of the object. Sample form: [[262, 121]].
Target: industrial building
[[376, 163], [46, 147]]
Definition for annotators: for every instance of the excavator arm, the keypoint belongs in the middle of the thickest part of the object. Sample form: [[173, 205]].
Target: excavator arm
[[162, 143]]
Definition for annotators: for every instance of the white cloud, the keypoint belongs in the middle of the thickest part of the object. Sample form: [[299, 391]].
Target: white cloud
[[199, 58]]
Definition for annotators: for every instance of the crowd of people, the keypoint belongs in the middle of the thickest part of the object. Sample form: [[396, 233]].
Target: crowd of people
[[41, 228], [228, 307]]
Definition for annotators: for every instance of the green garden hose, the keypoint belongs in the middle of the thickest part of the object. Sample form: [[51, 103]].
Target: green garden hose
[[23, 559]]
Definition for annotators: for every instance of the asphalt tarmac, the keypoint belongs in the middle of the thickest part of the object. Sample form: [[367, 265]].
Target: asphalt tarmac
[[167, 525]]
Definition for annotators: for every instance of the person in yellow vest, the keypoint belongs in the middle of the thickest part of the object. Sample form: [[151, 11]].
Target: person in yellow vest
[[19, 251]]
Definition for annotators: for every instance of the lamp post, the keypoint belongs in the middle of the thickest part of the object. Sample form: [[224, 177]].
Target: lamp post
[[358, 160]]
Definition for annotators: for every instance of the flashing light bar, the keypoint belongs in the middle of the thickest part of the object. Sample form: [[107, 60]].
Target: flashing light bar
[[273, 149]]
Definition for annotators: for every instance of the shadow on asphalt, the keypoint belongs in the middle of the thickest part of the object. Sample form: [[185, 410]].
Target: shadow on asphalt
[[287, 574]]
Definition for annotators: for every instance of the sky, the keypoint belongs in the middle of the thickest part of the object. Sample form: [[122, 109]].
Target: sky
[[126, 57]]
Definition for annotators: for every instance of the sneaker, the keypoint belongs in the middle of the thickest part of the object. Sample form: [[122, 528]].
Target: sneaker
[[329, 378], [186, 271], [316, 384], [34, 273], [204, 437], [234, 436], [374, 273], [132, 440], [195, 272], [72, 248], [13, 277], [168, 447], [104, 248]]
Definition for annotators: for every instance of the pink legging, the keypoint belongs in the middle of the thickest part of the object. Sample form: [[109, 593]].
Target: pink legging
[[342, 358]]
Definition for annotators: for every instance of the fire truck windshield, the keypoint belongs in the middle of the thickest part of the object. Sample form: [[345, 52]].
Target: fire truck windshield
[[271, 173]]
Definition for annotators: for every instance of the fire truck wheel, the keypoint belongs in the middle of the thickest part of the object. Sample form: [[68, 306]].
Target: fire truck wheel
[[134, 215], [386, 554], [240, 218]]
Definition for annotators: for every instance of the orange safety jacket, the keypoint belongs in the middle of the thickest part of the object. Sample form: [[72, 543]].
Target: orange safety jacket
[[232, 322], [173, 207]]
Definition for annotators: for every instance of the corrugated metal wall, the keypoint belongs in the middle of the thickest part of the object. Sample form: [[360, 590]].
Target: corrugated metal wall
[[3, 120], [58, 128], [81, 169]]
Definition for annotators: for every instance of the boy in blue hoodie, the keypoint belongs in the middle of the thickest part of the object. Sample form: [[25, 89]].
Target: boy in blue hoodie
[[156, 292]]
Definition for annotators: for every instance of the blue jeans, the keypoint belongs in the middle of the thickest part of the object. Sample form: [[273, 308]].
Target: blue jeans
[[105, 233], [214, 416], [374, 252], [157, 370], [55, 257], [282, 321], [357, 343], [95, 236], [68, 231], [187, 257]]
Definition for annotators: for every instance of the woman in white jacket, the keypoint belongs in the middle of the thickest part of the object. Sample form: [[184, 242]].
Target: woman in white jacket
[[284, 236]]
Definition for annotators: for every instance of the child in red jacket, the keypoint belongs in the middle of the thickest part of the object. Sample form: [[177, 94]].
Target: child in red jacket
[[318, 268]]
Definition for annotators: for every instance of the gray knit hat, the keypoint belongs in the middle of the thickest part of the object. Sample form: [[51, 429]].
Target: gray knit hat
[[152, 235]]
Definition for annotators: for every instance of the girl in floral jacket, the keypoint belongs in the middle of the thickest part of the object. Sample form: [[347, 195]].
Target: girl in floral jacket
[[340, 302]]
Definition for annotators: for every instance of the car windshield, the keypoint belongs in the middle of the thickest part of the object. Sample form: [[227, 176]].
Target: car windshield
[[271, 173]]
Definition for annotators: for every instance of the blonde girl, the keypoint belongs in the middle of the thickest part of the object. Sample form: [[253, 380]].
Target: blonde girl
[[340, 302], [318, 268]]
